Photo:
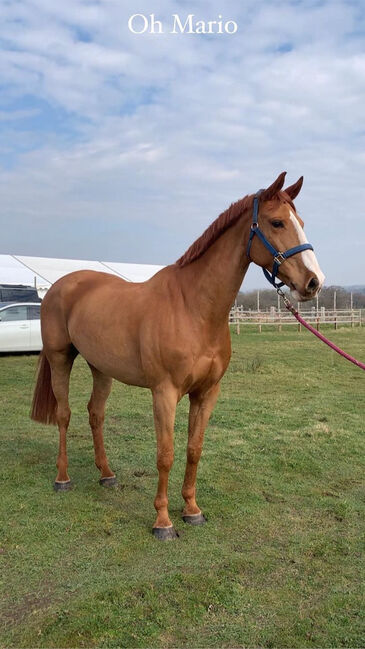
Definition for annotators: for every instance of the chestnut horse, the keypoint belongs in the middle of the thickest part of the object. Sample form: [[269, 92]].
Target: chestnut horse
[[169, 334]]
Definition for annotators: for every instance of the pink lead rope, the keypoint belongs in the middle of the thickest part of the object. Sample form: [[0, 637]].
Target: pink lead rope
[[305, 324]]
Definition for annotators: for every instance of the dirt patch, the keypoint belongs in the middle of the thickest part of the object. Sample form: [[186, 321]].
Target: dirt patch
[[14, 614]]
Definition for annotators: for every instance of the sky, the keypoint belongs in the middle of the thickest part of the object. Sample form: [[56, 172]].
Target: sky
[[125, 147]]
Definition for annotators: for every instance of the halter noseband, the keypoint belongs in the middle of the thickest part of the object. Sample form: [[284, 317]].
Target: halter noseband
[[279, 257]]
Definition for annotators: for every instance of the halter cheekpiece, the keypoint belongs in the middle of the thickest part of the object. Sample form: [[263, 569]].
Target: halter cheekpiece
[[279, 257]]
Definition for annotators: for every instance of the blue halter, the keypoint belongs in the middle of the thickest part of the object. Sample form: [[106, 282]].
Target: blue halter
[[279, 257]]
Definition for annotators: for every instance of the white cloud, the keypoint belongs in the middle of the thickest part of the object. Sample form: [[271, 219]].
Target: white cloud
[[171, 129]]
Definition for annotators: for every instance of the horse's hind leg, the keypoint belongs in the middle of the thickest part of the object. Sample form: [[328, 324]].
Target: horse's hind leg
[[101, 389], [61, 365]]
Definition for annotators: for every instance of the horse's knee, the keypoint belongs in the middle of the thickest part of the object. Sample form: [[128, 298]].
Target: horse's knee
[[165, 459], [193, 454]]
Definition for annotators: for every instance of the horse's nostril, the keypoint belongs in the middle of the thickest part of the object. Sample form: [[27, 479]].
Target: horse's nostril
[[313, 284]]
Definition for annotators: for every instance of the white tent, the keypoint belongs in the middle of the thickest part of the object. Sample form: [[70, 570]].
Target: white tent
[[132, 272], [44, 271], [13, 271]]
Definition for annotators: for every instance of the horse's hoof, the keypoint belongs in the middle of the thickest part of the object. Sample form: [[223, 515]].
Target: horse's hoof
[[165, 533], [62, 486], [109, 482], [194, 519]]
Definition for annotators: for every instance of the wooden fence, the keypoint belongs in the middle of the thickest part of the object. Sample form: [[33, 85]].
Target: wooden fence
[[277, 317]]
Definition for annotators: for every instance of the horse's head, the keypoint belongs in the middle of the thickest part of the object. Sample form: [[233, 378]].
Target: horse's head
[[282, 228]]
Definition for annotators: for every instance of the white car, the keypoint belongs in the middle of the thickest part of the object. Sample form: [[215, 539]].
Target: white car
[[20, 327]]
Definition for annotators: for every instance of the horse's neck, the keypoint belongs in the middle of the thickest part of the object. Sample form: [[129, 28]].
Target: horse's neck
[[212, 281]]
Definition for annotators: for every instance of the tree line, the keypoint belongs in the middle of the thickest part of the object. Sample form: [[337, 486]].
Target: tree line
[[268, 298]]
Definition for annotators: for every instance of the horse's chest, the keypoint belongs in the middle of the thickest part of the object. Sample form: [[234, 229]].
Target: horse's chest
[[205, 370]]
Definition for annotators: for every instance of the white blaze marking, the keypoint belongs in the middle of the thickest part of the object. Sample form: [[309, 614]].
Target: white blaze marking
[[308, 256]]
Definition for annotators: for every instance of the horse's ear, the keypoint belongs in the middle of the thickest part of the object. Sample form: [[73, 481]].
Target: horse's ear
[[294, 190], [270, 192]]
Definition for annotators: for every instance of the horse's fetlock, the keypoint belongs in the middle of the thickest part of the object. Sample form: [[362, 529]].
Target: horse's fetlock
[[188, 493], [160, 502]]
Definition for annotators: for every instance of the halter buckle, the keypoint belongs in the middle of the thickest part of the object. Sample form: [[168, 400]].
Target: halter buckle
[[286, 301], [279, 258]]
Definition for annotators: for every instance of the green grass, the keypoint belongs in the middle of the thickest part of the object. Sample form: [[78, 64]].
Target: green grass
[[281, 480]]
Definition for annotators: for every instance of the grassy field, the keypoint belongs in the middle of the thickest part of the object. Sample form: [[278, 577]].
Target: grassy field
[[281, 482]]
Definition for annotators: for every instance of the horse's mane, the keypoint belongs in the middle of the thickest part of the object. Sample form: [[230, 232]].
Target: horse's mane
[[215, 230], [221, 224]]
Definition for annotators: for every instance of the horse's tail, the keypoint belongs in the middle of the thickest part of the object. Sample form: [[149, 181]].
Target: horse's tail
[[44, 401]]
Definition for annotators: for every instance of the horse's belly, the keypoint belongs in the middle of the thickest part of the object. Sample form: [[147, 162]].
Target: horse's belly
[[121, 367], [114, 356]]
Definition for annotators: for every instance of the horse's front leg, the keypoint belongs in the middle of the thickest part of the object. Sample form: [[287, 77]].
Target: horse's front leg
[[201, 407], [164, 409]]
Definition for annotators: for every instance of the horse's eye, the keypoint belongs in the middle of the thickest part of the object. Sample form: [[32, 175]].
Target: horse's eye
[[277, 224]]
